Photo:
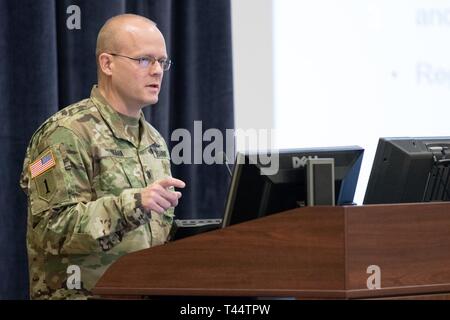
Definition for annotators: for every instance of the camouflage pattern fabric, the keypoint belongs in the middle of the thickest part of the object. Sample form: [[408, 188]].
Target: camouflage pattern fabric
[[83, 175]]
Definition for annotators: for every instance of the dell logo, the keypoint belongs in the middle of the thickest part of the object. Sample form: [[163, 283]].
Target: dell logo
[[301, 162]]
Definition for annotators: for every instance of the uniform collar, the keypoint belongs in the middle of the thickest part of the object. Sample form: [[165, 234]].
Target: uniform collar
[[116, 124]]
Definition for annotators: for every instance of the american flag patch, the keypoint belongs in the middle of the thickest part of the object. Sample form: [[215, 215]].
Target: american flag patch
[[42, 164]]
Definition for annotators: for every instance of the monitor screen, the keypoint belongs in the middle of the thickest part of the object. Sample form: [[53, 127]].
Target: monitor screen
[[409, 170], [255, 193]]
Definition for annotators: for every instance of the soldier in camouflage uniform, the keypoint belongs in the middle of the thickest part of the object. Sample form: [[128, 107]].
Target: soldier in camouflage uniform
[[97, 175]]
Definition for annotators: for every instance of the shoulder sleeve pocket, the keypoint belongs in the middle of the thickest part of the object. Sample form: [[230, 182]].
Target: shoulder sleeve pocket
[[48, 181]]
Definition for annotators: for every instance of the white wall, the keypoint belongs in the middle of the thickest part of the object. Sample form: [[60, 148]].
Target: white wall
[[252, 64]]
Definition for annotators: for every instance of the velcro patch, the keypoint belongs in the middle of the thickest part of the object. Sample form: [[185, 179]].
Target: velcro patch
[[43, 164], [158, 151]]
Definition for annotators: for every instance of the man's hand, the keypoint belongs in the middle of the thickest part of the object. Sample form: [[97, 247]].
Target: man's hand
[[159, 198]]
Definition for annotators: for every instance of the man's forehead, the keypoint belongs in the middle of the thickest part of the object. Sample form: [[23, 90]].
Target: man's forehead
[[143, 40], [139, 33]]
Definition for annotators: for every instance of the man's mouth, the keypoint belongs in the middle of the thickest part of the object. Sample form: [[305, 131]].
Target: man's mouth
[[154, 86]]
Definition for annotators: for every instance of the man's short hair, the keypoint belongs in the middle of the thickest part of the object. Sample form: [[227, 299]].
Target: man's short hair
[[106, 41]]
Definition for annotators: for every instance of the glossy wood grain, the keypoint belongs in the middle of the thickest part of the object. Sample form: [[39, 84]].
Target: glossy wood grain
[[314, 252]]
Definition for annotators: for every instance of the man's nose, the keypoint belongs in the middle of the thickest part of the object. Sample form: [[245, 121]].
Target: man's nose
[[156, 68]]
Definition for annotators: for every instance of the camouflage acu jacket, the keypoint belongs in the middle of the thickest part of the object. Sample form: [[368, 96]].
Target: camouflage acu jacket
[[83, 175]]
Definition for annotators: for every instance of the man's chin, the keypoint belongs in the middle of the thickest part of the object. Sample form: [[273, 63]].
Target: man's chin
[[149, 102]]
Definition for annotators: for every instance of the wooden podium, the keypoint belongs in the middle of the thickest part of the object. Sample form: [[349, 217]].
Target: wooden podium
[[306, 253]]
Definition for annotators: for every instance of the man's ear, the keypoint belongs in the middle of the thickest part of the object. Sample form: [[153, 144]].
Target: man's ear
[[105, 62]]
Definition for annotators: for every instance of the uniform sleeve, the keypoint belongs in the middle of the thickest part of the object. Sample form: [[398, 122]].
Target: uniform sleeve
[[161, 225], [65, 216]]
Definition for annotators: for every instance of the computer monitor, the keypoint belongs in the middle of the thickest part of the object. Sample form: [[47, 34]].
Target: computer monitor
[[253, 194], [409, 170]]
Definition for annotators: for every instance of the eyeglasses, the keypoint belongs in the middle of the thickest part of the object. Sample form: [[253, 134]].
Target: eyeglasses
[[146, 61]]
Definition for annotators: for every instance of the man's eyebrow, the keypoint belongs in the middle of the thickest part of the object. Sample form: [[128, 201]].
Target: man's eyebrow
[[154, 56]]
